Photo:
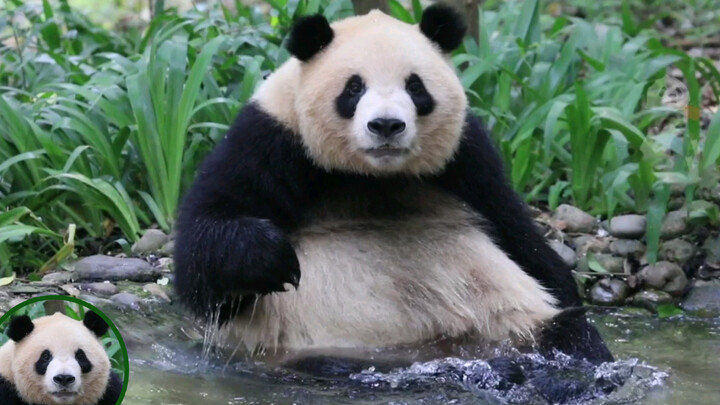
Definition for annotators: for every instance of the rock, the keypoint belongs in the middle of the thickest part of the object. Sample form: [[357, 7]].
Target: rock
[[627, 248], [650, 299], [665, 276], [157, 292], [108, 268], [71, 290], [165, 263], [168, 249], [676, 203], [100, 289], [675, 224], [704, 299], [97, 301], [588, 243], [711, 246], [566, 253], [609, 292], [127, 300], [628, 226], [62, 277], [575, 219], [151, 241], [677, 250], [608, 262]]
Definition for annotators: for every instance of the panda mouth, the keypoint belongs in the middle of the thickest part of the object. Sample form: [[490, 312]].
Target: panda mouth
[[386, 151], [64, 394]]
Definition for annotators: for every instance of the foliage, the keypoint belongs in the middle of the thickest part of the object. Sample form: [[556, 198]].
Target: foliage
[[105, 129]]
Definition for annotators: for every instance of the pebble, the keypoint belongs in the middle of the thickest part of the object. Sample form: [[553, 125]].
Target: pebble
[[157, 292], [609, 292], [650, 299], [628, 226], [588, 243], [108, 268], [711, 246], [608, 262], [703, 298], [665, 276], [627, 248], [168, 249], [677, 250], [100, 289], [675, 224], [127, 300], [151, 241], [566, 252], [575, 219]]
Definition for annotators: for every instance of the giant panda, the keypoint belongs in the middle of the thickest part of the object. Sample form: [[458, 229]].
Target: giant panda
[[57, 360], [357, 175]]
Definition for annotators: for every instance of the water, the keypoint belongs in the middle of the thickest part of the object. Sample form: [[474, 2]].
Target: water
[[671, 361]]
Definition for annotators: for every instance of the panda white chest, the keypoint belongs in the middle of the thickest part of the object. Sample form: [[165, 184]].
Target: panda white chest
[[381, 270]]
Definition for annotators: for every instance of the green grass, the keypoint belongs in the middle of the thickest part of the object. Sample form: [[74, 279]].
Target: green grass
[[104, 129]]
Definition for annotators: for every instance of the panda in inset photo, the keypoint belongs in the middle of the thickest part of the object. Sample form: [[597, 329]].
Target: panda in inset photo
[[358, 176], [57, 360]]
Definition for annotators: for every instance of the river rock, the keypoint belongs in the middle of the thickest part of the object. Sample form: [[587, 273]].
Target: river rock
[[151, 241], [628, 226], [108, 268], [608, 262], [677, 250], [168, 249], [676, 203], [703, 298], [665, 276], [650, 299], [609, 292], [157, 291], [575, 219], [566, 253], [627, 248], [125, 300], [588, 243], [711, 246], [675, 224], [100, 289], [61, 277]]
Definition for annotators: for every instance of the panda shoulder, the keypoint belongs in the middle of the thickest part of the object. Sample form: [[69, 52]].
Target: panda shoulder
[[8, 393], [112, 391]]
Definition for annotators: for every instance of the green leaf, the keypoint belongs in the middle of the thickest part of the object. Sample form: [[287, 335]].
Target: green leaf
[[668, 310]]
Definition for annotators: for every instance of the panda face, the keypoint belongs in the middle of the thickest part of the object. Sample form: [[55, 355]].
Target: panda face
[[60, 362], [380, 99]]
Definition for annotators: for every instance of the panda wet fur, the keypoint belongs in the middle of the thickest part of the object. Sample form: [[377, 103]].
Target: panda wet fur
[[241, 225], [26, 360]]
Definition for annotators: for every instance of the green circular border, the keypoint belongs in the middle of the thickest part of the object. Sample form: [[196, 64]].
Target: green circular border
[[93, 308]]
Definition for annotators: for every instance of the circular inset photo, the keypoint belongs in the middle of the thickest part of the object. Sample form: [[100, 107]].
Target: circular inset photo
[[61, 350]]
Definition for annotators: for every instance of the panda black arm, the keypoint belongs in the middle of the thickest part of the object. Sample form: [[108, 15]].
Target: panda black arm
[[476, 176], [8, 393], [231, 230], [113, 390]]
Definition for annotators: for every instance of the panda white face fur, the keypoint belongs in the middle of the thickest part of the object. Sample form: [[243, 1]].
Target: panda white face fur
[[56, 360], [396, 105]]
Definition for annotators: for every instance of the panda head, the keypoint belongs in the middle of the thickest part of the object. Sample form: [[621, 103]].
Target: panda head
[[58, 360], [378, 96]]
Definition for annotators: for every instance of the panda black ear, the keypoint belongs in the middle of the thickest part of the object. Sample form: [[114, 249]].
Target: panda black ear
[[20, 327], [95, 323], [444, 26], [309, 36]]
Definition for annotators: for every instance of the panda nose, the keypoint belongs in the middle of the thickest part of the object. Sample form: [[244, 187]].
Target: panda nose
[[63, 380], [386, 127]]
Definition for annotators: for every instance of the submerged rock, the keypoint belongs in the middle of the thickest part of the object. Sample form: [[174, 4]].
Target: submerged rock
[[151, 241], [703, 298], [628, 226], [108, 268], [575, 219], [677, 250], [609, 292], [665, 276], [650, 299]]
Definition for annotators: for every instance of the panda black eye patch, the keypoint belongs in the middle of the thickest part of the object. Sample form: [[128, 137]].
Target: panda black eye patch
[[43, 362], [85, 364], [423, 100], [347, 101]]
